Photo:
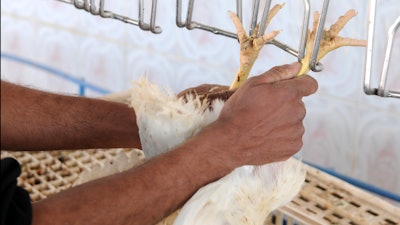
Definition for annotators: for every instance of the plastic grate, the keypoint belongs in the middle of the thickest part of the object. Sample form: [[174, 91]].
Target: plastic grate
[[324, 199]]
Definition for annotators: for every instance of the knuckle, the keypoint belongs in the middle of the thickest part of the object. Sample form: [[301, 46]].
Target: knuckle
[[302, 130], [288, 92], [301, 111], [298, 108], [251, 81], [294, 147], [298, 145], [284, 92], [279, 69], [298, 131], [297, 142], [313, 84]]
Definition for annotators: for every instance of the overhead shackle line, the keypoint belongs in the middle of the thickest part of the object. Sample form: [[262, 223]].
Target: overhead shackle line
[[97, 7]]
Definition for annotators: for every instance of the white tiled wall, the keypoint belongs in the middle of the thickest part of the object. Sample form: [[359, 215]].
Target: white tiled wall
[[346, 130]]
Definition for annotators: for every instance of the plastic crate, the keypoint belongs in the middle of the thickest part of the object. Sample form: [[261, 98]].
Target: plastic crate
[[324, 199]]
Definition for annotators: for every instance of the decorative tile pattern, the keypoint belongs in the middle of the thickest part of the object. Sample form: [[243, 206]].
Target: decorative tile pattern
[[378, 155]]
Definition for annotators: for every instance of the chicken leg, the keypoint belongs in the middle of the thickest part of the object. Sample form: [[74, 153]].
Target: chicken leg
[[330, 39], [250, 46]]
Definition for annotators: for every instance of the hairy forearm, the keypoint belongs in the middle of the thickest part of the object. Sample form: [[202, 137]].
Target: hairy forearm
[[36, 120], [142, 195]]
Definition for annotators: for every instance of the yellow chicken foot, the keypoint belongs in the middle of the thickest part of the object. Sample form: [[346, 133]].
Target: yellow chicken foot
[[330, 39], [250, 46]]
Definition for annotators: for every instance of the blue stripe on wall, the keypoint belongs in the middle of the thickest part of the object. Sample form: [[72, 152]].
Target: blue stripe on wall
[[83, 85]]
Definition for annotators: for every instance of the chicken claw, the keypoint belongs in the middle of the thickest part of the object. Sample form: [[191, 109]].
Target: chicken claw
[[250, 46], [330, 39]]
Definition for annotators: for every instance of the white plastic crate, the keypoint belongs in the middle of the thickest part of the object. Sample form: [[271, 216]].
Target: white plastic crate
[[324, 199]]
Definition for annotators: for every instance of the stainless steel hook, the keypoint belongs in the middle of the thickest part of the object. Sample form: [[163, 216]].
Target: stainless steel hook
[[178, 20], [381, 90], [254, 16], [152, 26], [142, 24], [264, 18], [78, 4], [90, 6], [314, 64], [103, 13], [190, 25], [304, 30]]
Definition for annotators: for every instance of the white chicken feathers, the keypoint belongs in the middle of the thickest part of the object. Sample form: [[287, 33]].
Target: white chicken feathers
[[164, 120], [245, 196]]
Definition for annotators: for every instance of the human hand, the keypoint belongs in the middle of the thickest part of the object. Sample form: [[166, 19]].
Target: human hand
[[262, 121]]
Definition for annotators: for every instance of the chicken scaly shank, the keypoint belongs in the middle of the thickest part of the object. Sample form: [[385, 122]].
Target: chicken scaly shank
[[330, 39], [251, 46]]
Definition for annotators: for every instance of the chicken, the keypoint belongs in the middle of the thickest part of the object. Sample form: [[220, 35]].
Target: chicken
[[245, 196], [249, 193]]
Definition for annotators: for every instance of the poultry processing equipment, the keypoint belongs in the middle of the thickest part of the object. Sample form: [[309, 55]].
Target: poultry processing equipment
[[98, 8]]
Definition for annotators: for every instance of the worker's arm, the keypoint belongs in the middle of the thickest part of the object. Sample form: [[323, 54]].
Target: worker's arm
[[37, 120], [142, 195], [260, 123]]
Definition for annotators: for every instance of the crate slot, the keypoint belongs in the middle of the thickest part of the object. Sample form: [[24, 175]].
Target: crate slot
[[320, 187], [320, 207], [354, 204], [337, 195], [304, 198], [337, 215], [372, 212], [390, 222]]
